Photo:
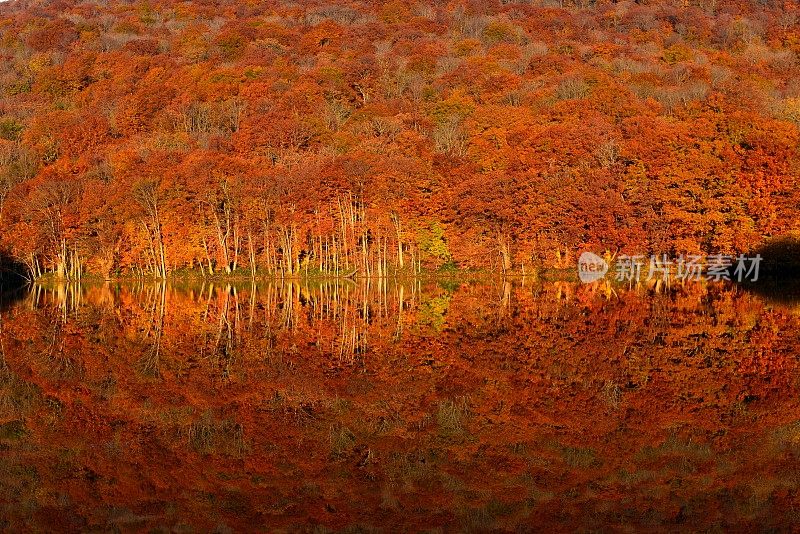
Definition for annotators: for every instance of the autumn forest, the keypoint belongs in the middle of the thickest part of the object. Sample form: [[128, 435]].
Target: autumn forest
[[147, 138], [344, 266]]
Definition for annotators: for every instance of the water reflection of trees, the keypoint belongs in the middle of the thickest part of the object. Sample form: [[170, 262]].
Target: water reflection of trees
[[342, 315], [215, 324], [532, 394]]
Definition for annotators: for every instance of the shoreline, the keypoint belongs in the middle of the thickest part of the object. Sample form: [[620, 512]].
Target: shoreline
[[183, 277]]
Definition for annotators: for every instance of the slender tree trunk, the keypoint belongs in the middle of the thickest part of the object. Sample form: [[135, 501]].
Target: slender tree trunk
[[251, 249]]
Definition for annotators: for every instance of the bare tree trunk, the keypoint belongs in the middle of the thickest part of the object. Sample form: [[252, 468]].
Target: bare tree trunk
[[236, 244], [251, 250], [146, 195], [505, 252], [222, 241], [399, 237]]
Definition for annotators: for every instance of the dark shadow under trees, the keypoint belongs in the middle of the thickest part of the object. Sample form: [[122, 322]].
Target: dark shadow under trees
[[13, 274], [779, 272]]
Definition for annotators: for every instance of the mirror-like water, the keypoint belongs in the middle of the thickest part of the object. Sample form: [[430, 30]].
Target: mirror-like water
[[459, 406]]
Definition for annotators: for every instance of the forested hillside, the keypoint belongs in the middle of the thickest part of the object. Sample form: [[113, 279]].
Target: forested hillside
[[149, 137]]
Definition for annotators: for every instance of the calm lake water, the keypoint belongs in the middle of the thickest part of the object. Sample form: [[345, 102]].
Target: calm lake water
[[425, 406]]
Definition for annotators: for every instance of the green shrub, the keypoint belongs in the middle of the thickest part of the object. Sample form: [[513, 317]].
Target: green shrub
[[10, 129]]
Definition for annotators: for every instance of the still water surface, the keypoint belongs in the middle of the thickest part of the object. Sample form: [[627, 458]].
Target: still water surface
[[449, 406]]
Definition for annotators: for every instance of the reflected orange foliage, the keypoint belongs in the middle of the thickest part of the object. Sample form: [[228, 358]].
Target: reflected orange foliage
[[469, 405]]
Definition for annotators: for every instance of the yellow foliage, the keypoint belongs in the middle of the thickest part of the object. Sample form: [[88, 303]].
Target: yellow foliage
[[458, 104]]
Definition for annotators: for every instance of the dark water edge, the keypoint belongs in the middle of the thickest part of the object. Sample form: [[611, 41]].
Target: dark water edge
[[13, 287], [12, 274], [776, 289]]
